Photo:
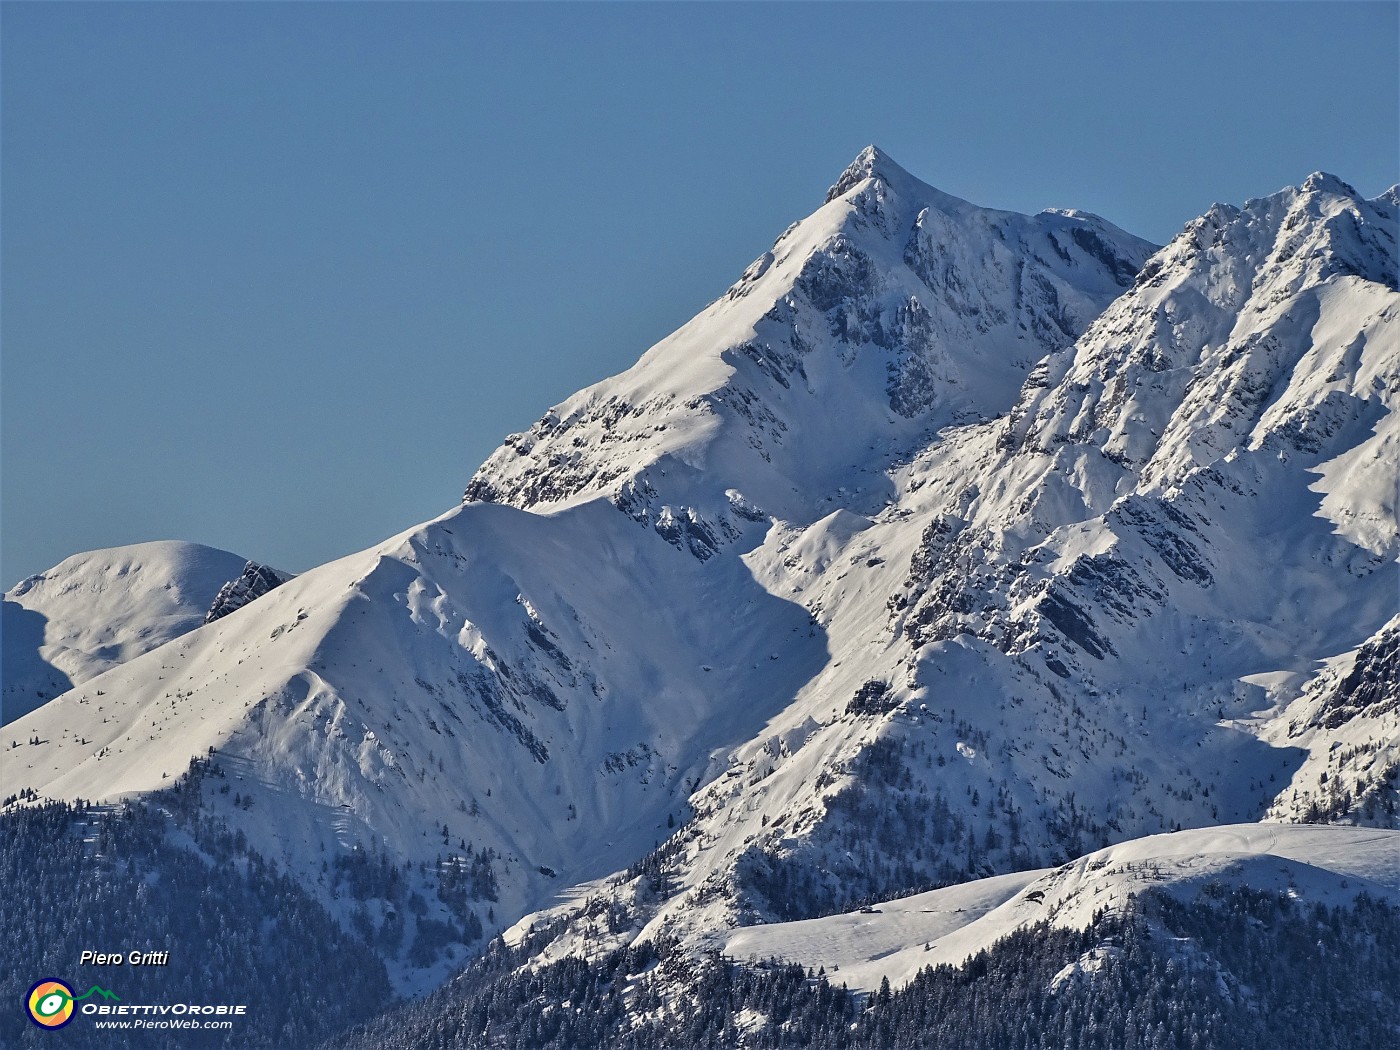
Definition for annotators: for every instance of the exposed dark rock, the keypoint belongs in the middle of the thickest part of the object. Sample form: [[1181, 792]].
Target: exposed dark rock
[[873, 698], [255, 581], [1373, 685]]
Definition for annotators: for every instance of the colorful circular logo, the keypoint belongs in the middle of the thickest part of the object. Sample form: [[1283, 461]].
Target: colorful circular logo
[[50, 1004]]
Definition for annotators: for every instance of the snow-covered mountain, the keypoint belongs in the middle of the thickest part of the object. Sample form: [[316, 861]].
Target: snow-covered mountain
[[96, 610], [1157, 593], [892, 311], [947, 543]]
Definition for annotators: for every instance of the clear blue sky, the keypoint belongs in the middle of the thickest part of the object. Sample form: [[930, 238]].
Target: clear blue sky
[[278, 277]]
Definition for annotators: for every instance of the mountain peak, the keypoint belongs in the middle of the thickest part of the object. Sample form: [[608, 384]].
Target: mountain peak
[[1321, 181], [904, 305], [870, 163]]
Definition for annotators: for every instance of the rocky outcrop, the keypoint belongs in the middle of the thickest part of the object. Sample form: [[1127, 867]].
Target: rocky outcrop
[[255, 581]]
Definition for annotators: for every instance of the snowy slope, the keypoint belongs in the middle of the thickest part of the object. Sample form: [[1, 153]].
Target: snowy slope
[[99, 609], [478, 673], [1318, 865], [944, 545]]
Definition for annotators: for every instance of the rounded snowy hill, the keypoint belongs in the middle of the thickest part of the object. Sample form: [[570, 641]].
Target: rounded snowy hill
[[101, 608]]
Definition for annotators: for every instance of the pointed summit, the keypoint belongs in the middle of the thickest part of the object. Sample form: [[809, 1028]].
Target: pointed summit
[[871, 163], [894, 307]]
